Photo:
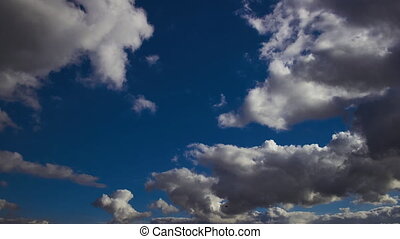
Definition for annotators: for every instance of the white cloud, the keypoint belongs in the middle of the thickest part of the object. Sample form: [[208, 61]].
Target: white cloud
[[141, 103], [6, 121], [14, 162], [118, 205], [164, 207], [54, 33], [152, 59], [222, 102]]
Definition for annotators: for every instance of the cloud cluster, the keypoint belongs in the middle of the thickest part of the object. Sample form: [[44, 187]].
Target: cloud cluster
[[323, 56], [373, 216], [140, 104], [6, 121], [244, 179], [59, 33], [164, 206], [118, 205], [13, 162]]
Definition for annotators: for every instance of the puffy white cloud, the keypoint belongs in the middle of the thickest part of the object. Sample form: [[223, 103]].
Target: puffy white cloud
[[14, 162], [322, 59], [7, 205], [118, 205], [152, 59], [140, 104], [6, 121], [54, 33], [164, 206]]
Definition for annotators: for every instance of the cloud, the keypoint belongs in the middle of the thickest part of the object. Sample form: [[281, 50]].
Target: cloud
[[373, 216], [193, 192], [60, 33], [7, 205], [323, 57], [152, 59], [118, 205], [379, 121], [22, 221], [6, 121], [164, 207], [140, 104], [244, 179], [13, 162], [221, 103]]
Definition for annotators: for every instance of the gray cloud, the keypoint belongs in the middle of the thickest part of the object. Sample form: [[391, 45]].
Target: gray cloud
[[14, 162], [379, 121], [118, 205], [164, 206], [244, 179], [6, 121], [53, 34]]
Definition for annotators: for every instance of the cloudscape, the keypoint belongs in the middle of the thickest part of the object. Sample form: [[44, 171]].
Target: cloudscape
[[252, 111]]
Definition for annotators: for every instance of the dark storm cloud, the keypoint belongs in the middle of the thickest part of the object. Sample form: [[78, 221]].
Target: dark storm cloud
[[379, 121]]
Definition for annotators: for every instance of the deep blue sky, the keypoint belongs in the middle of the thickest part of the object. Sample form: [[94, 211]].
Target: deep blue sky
[[205, 49]]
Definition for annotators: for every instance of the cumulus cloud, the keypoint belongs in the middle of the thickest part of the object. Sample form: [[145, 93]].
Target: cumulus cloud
[[13, 162], [140, 104], [118, 205], [323, 56], [164, 206], [54, 33], [193, 192], [6, 121], [152, 59], [244, 179]]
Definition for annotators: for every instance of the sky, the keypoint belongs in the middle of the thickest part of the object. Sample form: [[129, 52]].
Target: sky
[[271, 111]]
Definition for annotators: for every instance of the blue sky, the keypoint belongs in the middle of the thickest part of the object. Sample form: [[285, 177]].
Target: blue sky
[[205, 49]]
